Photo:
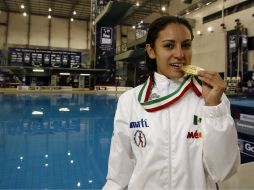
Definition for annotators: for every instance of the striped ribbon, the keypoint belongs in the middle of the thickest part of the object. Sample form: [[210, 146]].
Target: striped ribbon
[[165, 101]]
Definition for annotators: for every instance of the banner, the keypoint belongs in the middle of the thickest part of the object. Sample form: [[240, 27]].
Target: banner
[[237, 50], [105, 51], [44, 58]]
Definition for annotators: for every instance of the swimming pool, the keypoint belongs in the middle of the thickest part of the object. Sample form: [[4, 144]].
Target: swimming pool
[[59, 141]]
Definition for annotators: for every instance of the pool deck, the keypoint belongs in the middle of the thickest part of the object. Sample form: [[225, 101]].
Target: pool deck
[[57, 91]]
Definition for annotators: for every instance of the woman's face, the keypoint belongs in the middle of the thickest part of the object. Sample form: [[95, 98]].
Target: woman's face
[[172, 50]]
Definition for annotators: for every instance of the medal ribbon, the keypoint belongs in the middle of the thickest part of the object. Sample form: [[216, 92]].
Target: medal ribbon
[[165, 101]]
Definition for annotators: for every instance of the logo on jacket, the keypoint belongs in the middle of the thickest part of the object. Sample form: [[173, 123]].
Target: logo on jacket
[[138, 124], [140, 138], [196, 120], [195, 134]]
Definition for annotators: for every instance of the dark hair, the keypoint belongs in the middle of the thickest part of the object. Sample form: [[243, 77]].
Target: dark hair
[[153, 32]]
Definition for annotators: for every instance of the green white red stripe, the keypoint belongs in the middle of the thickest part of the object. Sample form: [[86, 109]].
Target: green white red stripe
[[197, 85], [165, 101]]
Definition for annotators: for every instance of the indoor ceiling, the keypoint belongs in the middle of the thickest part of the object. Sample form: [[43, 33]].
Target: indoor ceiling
[[65, 8]]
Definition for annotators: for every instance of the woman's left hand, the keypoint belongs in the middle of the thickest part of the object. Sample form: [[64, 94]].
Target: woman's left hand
[[213, 87]]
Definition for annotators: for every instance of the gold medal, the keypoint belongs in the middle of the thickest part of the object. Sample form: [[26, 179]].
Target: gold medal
[[191, 69]]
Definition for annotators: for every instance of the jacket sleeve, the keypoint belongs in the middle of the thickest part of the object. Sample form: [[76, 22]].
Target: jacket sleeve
[[121, 162], [221, 155]]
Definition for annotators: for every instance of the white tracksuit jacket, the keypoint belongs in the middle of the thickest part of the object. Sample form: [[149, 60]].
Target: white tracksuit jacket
[[160, 150]]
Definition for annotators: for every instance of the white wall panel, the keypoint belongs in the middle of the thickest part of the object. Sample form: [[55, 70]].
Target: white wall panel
[[18, 28], [39, 30], [2, 36], [118, 38], [89, 34], [129, 32], [251, 60], [177, 5], [209, 48], [131, 35], [78, 35], [3, 18], [59, 32], [121, 42]]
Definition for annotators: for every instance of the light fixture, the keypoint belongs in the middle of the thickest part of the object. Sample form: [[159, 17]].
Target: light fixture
[[84, 74], [24, 14], [74, 12], [141, 21], [37, 113], [199, 33], [38, 70], [210, 29], [84, 109], [195, 6], [49, 16], [22, 6], [50, 9], [163, 8], [133, 26], [78, 184], [65, 74], [137, 4], [72, 19], [223, 26], [64, 109]]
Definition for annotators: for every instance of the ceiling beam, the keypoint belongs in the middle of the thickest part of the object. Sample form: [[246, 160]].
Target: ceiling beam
[[146, 8], [55, 16], [6, 5], [73, 7], [28, 4]]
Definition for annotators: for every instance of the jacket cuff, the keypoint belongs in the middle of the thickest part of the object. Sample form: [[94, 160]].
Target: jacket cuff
[[214, 111]]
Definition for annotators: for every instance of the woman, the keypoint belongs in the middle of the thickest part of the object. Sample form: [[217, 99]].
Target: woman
[[171, 132]]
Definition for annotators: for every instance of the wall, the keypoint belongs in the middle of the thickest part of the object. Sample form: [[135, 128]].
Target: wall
[[209, 48], [3, 18], [19, 35], [175, 4], [39, 31], [124, 30], [17, 29]]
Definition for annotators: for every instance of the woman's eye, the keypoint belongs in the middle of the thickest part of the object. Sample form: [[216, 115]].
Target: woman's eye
[[186, 46], [170, 46]]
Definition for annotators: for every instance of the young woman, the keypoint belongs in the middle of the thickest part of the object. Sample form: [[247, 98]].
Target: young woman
[[174, 131]]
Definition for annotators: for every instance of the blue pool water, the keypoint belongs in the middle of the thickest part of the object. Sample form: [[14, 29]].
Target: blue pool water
[[55, 141]]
